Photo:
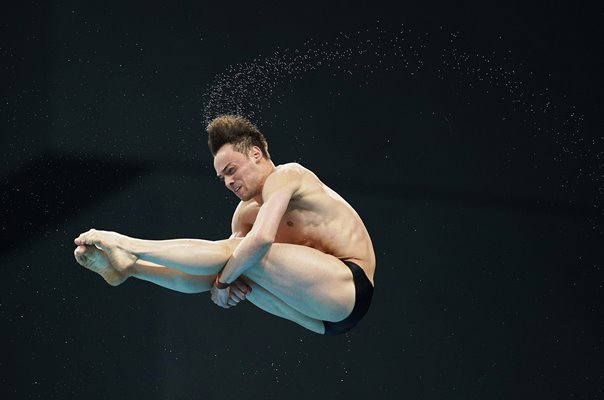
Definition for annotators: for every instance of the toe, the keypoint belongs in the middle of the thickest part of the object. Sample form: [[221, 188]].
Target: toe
[[86, 237]]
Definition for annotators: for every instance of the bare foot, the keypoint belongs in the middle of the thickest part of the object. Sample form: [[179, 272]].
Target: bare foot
[[95, 260], [101, 239], [110, 243]]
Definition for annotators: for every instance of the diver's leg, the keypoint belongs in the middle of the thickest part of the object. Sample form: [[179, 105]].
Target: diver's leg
[[270, 303], [193, 256], [94, 259], [316, 284], [97, 261]]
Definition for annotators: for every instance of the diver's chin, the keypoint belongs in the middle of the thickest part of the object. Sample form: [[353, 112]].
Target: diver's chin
[[240, 195]]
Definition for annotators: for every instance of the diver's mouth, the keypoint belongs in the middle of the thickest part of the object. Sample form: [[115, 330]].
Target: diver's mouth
[[236, 190]]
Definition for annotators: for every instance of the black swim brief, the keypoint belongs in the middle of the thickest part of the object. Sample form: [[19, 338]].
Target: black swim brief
[[363, 293]]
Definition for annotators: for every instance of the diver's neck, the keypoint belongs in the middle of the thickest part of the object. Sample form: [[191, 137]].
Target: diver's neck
[[268, 169]]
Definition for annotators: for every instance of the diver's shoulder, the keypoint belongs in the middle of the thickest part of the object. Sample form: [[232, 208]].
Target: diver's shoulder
[[308, 181], [293, 168]]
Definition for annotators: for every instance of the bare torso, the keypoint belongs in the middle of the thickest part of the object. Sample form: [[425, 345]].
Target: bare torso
[[317, 217]]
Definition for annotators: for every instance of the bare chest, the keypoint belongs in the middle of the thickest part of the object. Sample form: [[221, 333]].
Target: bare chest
[[305, 228]]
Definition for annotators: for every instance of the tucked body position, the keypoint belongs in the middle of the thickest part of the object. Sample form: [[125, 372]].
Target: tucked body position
[[298, 250]]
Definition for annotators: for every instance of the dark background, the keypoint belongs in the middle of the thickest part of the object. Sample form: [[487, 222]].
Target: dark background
[[481, 196]]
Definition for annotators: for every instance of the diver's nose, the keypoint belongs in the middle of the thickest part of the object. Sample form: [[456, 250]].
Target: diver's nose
[[228, 181]]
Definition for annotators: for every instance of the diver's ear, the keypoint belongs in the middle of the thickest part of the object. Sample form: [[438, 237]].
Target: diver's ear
[[256, 153]]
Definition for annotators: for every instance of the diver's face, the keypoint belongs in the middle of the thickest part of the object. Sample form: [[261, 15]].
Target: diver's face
[[239, 172]]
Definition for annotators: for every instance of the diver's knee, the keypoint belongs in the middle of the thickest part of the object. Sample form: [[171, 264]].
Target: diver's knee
[[229, 244]]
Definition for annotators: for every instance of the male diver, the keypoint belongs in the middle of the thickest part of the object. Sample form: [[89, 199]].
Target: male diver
[[297, 250]]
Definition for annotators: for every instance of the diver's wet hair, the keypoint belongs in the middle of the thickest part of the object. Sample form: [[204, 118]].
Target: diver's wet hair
[[235, 130]]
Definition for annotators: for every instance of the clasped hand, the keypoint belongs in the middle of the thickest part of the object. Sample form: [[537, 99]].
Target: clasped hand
[[232, 295]]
